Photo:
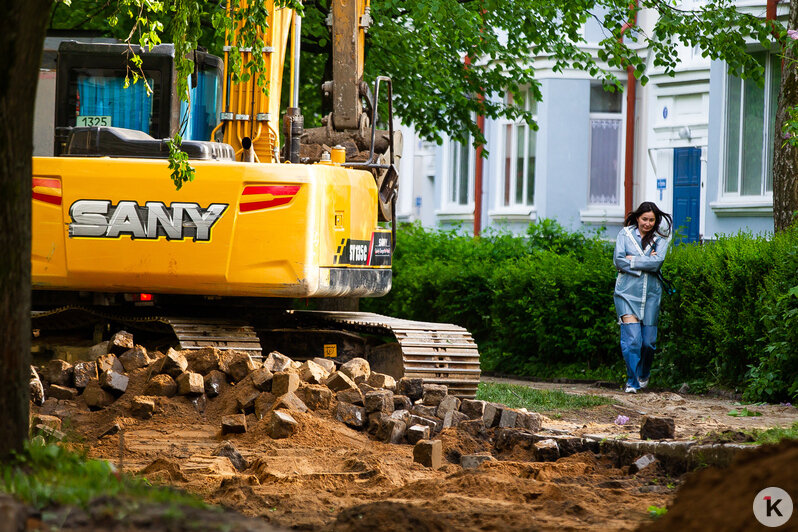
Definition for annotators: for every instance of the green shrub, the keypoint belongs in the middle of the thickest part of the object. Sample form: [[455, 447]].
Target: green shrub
[[548, 235], [508, 290], [711, 325], [554, 308], [729, 322], [444, 276], [773, 375]]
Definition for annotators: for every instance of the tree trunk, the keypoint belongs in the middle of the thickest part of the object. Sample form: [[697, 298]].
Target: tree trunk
[[22, 30], [785, 156]]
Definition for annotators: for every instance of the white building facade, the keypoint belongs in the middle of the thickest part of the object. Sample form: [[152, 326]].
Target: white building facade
[[703, 147]]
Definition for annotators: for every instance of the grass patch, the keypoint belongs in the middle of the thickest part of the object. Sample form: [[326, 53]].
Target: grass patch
[[776, 434], [656, 512], [753, 436], [46, 474], [744, 412], [614, 372], [516, 396]]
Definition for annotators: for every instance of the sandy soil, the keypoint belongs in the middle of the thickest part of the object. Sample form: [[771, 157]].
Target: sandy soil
[[330, 477], [715, 499]]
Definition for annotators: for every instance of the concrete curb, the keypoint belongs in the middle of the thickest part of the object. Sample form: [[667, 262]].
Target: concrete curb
[[676, 456]]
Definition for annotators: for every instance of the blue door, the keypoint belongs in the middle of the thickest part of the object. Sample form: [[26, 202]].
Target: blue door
[[686, 192]]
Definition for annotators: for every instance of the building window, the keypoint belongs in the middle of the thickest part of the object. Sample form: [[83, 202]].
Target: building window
[[750, 122], [605, 145], [520, 141], [461, 165]]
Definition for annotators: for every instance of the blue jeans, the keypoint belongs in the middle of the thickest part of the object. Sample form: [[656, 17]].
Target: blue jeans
[[638, 343]]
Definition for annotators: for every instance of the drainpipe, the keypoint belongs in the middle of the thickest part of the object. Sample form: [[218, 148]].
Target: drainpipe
[[478, 179], [628, 180], [631, 89], [477, 165]]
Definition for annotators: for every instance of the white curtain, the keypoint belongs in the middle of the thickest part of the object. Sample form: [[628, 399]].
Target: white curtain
[[605, 138]]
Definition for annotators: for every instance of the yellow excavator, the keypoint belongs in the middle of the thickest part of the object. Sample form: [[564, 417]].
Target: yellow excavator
[[221, 261]]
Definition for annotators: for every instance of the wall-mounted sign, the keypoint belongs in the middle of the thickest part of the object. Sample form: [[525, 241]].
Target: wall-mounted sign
[[664, 112], [661, 184]]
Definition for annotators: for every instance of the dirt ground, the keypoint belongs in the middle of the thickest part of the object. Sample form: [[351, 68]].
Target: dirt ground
[[722, 499], [696, 416], [330, 477]]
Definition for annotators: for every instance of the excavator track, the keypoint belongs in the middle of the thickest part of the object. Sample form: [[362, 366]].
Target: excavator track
[[191, 333], [438, 353], [197, 333]]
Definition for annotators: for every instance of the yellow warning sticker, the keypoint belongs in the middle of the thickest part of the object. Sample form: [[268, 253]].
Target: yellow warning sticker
[[330, 350]]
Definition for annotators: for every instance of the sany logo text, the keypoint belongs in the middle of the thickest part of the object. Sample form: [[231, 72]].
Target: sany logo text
[[178, 221]]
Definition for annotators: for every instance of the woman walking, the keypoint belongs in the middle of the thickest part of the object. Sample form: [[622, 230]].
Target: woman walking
[[639, 253]]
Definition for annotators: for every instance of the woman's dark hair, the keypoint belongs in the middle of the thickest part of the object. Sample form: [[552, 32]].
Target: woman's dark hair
[[650, 206]]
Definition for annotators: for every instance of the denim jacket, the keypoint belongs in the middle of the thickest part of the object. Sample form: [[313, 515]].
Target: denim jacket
[[637, 289]]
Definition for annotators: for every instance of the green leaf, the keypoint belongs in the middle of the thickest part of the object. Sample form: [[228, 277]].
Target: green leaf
[[182, 171]]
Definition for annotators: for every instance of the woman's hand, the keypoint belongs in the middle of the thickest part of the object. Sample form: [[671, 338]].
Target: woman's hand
[[629, 257]]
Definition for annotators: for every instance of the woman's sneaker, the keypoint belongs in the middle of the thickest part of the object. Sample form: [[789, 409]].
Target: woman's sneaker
[[630, 389], [643, 383]]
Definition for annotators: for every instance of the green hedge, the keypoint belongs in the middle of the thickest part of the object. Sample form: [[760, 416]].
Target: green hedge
[[733, 318], [508, 291], [541, 305]]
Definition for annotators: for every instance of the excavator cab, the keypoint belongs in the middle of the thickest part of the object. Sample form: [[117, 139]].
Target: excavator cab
[[95, 88]]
